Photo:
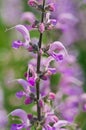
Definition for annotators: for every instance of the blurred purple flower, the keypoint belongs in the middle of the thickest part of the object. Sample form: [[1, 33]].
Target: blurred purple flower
[[28, 16], [11, 11], [3, 113], [67, 19]]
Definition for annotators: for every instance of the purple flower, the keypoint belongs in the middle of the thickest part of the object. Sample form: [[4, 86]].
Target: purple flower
[[57, 51], [23, 30], [24, 119], [27, 93], [31, 75], [48, 71]]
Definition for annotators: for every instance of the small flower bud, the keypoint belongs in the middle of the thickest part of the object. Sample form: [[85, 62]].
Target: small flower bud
[[30, 116], [30, 49], [40, 52], [41, 27], [32, 3], [55, 118], [48, 73], [28, 100], [31, 81], [41, 103], [51, 96]]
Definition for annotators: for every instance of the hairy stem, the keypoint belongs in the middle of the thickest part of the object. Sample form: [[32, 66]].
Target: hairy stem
[[38, 67]]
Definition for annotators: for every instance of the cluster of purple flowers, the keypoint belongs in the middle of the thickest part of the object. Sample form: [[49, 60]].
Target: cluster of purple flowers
[[48, 60]]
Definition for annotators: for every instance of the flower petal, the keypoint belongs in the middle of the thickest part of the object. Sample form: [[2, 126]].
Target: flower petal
[[61, 123], [16, 127], [52, 70], [47, 62], [24, 83], [31, 75], [31, 81], [20, 94], [20, 113], [17, 44]]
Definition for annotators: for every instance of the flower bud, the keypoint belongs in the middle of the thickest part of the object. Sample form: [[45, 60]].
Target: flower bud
[[31, 81], [41, 103], [41, 27], [30, 49], [51, 96], [30, 116], [28, 100], [32, 3]]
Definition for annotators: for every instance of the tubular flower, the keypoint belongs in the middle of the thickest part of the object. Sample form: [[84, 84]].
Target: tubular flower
[[23, 30], [31, 75], [57, 51], [27, 92], [24, 119]]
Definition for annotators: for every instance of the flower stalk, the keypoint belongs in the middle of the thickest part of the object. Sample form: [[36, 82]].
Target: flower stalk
[[38, 66]]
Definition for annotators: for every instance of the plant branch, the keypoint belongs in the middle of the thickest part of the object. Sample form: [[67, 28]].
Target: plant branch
[[38, 66]]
